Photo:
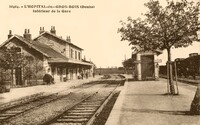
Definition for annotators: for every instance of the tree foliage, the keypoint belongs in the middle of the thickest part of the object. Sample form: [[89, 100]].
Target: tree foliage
[[176, 25], [163, 27], [31, 68], [11, 58], [128, 63]]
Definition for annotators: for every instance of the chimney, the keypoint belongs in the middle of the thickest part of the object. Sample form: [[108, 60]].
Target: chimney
[[68, 39], [10, 34], [27, 34], [53, 30], [41, 30]]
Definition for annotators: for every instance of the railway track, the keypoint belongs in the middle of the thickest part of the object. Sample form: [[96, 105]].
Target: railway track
[[87, 99], [31, 98], [85, 112], [24, 107], [19, 107]]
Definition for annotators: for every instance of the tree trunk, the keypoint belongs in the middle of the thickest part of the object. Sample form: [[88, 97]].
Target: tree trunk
[[195, 106], [169, 63], [12, 82]]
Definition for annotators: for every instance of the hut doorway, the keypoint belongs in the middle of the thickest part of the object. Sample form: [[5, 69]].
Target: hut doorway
[[147, 67]]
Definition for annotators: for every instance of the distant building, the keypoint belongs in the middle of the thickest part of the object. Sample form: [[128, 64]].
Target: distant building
[[58, 57], [146, 65], [105, 71]]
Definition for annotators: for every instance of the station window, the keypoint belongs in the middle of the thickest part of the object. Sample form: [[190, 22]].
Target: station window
[[79, 55], [72, 52], [75, 54]]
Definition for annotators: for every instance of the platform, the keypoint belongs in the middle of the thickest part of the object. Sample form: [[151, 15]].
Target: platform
[[146, 103], [17, 93]]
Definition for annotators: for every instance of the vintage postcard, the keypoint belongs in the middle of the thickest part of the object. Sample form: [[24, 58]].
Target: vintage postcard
[[99, 62]]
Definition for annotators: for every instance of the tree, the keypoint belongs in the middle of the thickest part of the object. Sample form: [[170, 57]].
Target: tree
[[32, 69], [128, 63], [38, 69], [4, 72], [28, 69], [12, 58], [176, 25]]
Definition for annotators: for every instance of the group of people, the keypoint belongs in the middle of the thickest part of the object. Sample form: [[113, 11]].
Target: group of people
[[82, 75], [86, 75], [48, 79]]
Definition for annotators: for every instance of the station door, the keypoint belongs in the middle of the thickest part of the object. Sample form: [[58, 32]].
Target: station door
[[18, 76], [147, 67]]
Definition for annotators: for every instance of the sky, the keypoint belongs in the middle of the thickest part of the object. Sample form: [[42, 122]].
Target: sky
[[93, 29]]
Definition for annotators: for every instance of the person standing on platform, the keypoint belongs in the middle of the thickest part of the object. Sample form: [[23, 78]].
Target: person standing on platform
[[86, 75], [93, 74]]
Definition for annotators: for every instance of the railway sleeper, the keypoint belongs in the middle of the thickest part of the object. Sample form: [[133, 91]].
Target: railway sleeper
[[7, 114], [95, 100], [84, 105], [86, 110], [80, 120], [75, 116], [3, 117], [66, 123], [14, 112], [80, 113], [92, 102]]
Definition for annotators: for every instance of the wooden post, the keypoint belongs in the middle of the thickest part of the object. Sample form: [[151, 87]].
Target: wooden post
[[167, 78], [176, 77]]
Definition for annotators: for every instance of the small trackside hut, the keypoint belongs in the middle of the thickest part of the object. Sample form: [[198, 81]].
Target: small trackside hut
[[146, 65]]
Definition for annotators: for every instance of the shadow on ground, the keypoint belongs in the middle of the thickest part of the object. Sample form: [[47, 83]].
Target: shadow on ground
[[158, 111], [148, 94]]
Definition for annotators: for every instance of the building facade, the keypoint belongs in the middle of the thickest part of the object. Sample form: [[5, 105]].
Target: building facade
[[53, 55]]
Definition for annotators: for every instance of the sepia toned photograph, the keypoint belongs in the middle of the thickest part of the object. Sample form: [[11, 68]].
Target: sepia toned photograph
[[86, 62]]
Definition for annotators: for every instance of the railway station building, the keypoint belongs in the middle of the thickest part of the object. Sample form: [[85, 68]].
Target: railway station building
[[146, 65], [48, 54]]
